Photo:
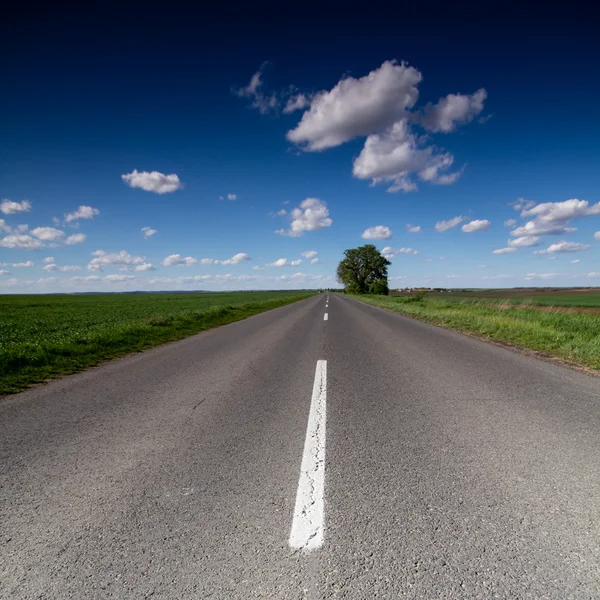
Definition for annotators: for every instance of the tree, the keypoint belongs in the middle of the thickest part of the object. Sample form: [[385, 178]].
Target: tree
[[364, 271]]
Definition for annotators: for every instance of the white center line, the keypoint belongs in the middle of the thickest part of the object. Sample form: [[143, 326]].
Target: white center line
[[325, 316], [309, 513]]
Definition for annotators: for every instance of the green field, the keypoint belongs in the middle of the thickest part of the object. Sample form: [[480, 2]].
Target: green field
[[550, 298], [46, 336], [574, 337]]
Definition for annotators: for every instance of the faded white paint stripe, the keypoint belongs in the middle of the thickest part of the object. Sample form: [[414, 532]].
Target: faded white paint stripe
[[325, 316], [309, 513]]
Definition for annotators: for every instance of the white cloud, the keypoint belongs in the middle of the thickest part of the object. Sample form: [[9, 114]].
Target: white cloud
[[25, 242], [312, 215], [4, 226], [413, 228], [86, 279], [4, 272], [395, 154], [449, 224], [231, 196], [176, 260], [378, 232], [553, 218], [284, 262], [63, 269], [576, 261], [309, 254], [297, 102], [597, 235], [235, 259], [316, 261], [153, 181], [26, 264], [477, 225], [76, 238], [510, 223], [390, 252], [148, 232], [530, 276], [49, 259], [563, 247], [281, 213], [9, 207], [452, 111], [357, 107], [594, 274], [114, 278], [505, 250], [146, 267], [524, 242], [113, 259], [83, 212], [48, 234]]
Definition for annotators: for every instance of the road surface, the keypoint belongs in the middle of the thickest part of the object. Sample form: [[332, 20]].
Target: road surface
[[297, 455]]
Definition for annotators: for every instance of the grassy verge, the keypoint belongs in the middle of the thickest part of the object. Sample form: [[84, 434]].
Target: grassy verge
[[570, 336], [43, 337]]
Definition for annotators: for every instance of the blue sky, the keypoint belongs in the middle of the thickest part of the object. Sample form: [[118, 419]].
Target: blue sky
[[185, 126]]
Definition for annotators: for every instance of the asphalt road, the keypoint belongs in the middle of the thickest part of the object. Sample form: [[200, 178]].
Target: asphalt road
[[452, 468]]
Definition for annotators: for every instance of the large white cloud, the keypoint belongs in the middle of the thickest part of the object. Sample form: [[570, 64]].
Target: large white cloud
[[453, 110], [449, 224], [311, 215], [176, 260], [113, 259], [83, 212], [553, 218], [396, 154], [563, 247], [152, 181], [8, 207], [477, 225], [378, 232], [357, 107]]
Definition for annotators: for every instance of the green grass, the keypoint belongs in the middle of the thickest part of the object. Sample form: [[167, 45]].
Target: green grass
[[42, 337], [571, 336]]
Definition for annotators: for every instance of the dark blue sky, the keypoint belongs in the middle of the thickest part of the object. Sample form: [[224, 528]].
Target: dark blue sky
[[90, 95]]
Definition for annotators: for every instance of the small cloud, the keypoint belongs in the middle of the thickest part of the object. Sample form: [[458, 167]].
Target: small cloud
[[477, 225], [176, 260], [47, 234], [390, 252], [8, 207], [153, 181], [378, 232], [449, 224], [49, 259], [413, 228], [284, 262], [231, 196], [83, 212], [576, 261], [311, 215], [23, 265], [25, 242], [148, 232], [505, 250], [76, 238], [510, 223], [309, 254], [146, 267], [563, 247]]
